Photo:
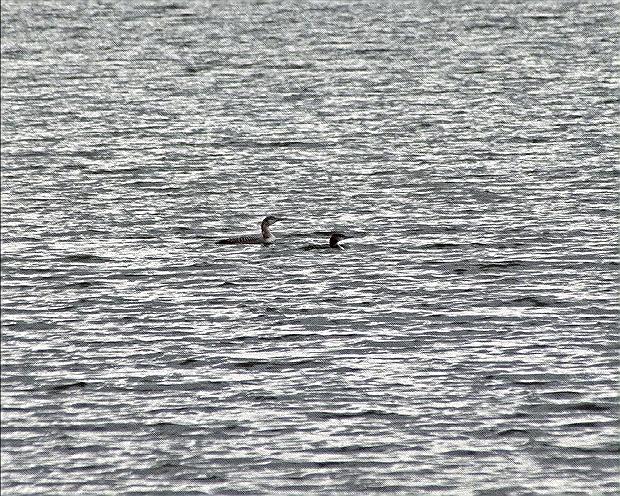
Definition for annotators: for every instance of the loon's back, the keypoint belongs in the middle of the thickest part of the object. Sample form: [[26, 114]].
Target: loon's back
[[323, 247], [252, 239]]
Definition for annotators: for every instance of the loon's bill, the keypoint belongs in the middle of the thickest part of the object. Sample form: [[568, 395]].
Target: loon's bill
[[334, 243], [264, 238]]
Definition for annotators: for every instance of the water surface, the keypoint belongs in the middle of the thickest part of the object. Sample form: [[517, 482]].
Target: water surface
[[466, 342]]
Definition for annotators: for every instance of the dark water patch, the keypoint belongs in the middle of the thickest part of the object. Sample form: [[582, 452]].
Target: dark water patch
[[513, 432], [604, 449], [115, 171], [286, 144], [174, 387], [465, 453], [203, 264], [196, 69], [208, 479], [189, 362], [496, 245], [81, 284], [262, 397], [504, 490], [300, 66], [367, 414], [161, 8], [530, 139], [538, 346], [531, 301], [272, 144], [519, 414], [90, 154], [613, 486], [588, 406], [440, 246], [20, 239], [589, 425], [440, 488], [145, 184], [330, 463], [500, 265], [240, 492], [275, 365], [86, 448], [172, 427], [567, 407], [383, 173], [233, 426], [168, 410], [530, 383], [86, 258], [71, 385], [35, 270], [544, 17], [273, 337], [229, 432], [561, 395], [172, 470], [294, 336], [141, 236], [484, 26], [129, 275], [380, 488], [354, 448], [364, 51], [163, 492]]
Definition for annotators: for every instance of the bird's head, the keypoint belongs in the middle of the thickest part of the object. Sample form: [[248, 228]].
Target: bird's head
[[336, 238], [270, 220]]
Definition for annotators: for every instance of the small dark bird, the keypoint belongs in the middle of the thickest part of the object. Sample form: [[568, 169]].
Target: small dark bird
[[264, 238], [334, 243]]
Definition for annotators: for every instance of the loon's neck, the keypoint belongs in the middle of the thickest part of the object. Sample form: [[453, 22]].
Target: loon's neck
[[264, 227]]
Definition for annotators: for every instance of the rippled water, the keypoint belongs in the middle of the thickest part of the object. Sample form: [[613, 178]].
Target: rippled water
[[466, 342]]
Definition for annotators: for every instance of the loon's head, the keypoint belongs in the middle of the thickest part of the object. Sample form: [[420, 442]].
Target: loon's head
[[270, 220], [336, 238]]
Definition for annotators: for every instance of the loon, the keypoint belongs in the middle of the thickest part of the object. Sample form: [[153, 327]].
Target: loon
[[264, 238], [334, 243]]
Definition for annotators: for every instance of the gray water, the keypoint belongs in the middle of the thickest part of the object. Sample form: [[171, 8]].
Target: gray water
[[466, 342]]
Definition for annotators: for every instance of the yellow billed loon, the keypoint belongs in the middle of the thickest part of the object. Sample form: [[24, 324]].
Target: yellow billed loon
[[334, 243], [264, 238]]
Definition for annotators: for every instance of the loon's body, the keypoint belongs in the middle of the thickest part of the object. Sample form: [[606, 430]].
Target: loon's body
[[334, 243], [264, 238]]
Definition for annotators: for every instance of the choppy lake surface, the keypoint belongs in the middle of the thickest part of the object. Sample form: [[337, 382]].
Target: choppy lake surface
[[466, 342]]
